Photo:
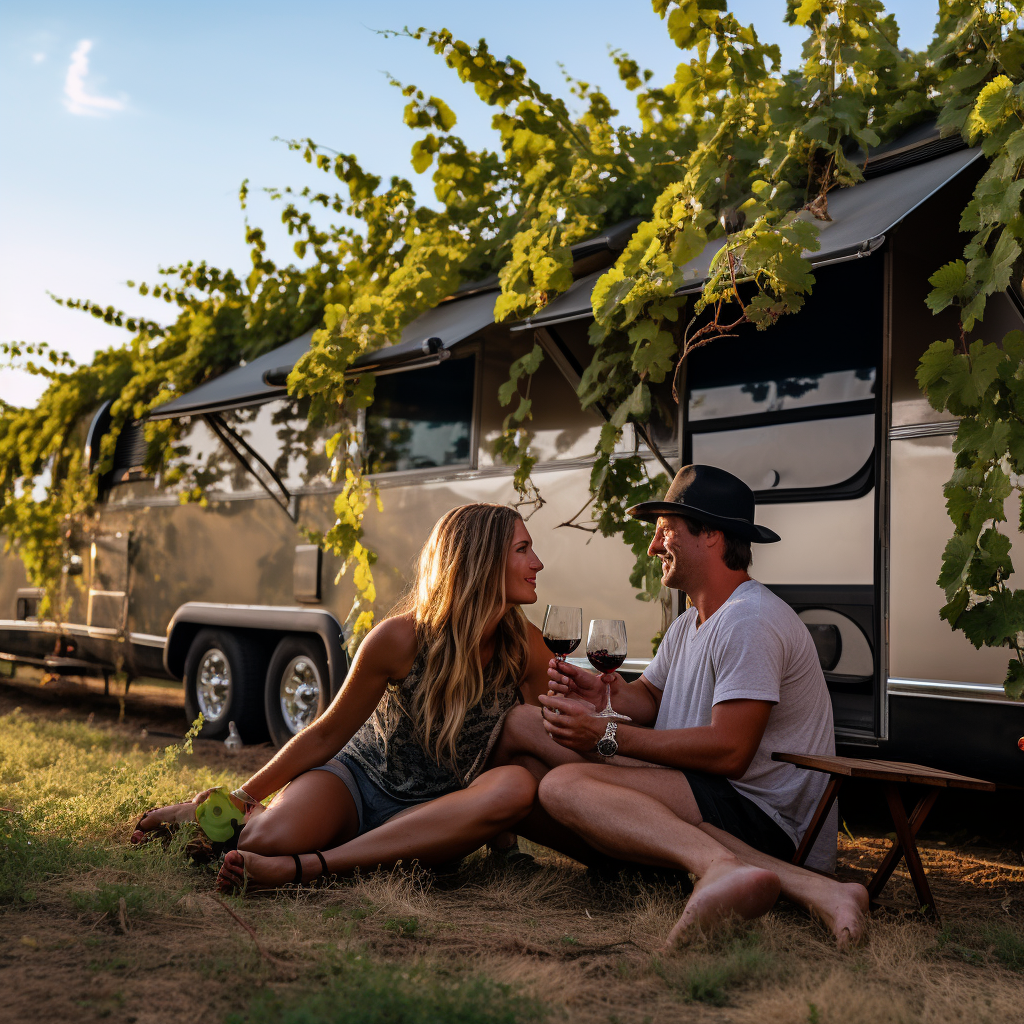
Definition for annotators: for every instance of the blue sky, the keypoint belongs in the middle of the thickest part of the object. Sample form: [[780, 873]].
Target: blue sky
[[128, 127]]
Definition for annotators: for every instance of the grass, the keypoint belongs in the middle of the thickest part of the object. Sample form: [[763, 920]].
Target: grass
[[363, 992], [724, 966], [94, 929]]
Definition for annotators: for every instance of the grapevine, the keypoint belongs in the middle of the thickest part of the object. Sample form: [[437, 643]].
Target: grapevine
[[734, 148]]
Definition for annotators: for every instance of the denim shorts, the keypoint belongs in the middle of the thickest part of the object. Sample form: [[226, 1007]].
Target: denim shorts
[[373, 805], [722, 805]]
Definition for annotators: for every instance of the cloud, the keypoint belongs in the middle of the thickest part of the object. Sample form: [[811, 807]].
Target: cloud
[[38, 58], [76, 99]]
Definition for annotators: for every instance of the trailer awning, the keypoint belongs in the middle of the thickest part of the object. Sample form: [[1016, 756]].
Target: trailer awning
[[440, 328], [423, 342], [861, 218], [241, 386], [263, 379]]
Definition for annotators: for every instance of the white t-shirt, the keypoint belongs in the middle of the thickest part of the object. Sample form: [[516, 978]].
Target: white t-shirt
[[755, 647]]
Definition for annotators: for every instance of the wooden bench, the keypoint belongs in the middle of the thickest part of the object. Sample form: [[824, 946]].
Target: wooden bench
[[889, 774]]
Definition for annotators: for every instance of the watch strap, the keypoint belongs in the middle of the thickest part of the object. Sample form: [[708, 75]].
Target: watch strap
[[609, 739]]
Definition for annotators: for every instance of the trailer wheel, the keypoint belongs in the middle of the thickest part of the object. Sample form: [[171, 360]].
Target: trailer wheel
[[223, 679], [298, 687]]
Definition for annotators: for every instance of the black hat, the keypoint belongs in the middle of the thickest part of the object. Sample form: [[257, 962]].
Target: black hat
[[711, 496]]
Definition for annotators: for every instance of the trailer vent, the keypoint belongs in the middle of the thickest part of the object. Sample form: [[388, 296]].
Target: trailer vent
[[130, 453], [27, 602]]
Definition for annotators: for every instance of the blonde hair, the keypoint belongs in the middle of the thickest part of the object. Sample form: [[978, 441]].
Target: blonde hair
[[459, 588]]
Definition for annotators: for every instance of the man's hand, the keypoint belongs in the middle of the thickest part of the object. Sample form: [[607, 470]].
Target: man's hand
[[569, 681], [573, 726]]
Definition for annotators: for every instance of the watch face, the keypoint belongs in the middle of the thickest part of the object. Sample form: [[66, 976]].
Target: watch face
[[606, 746]]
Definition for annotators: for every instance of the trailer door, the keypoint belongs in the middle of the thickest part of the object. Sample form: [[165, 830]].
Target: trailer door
[[794, 411], [108, 581]]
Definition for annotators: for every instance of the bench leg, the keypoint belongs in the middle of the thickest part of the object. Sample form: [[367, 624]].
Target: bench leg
[[818, 821], [905, 846]]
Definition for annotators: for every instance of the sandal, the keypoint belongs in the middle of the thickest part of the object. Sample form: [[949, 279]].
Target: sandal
[[325, 878]]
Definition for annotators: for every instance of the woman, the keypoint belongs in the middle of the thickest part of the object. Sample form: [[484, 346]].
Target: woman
[[393, 770]]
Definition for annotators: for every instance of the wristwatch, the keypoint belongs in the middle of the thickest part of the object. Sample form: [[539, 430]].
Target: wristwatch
[[608, 745]]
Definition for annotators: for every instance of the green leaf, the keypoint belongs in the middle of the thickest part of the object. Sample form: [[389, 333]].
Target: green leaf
[[803, 12], [609, 292], [682, 24], [445, 116], [506, 391], [991, 106], [947, 285], [610, 434], [523, 411], [657, 358], [952, 611], [423, 152], [1015, 146], [956, 562], [637, 405], [525, 365], [957, 382], [1013, 684], [687, 243], [932, 372], [993, 622], [991, 564], [645, 330]]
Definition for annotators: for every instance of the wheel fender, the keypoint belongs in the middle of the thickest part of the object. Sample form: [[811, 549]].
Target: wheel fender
[[267, 619]]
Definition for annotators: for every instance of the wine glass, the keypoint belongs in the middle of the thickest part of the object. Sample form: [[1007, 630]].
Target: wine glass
[[606, 650], [563, 629]]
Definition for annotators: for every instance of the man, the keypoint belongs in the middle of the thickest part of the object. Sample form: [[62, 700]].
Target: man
[[735, 679]]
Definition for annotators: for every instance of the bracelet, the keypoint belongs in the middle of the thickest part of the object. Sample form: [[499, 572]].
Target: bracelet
[[241, 795]]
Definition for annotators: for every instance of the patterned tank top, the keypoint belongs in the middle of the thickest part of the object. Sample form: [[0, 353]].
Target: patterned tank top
[[388, 751]]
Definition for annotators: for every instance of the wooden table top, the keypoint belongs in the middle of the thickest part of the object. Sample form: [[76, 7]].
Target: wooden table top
[[884, 771]]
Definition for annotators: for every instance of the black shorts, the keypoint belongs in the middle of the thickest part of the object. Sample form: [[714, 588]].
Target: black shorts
[[722, 805]]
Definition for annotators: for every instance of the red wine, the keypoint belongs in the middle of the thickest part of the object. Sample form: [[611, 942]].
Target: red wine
[[605, 662], [560, 647]]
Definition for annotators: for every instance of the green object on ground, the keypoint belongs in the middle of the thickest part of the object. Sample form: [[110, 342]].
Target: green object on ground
[[217, 815]]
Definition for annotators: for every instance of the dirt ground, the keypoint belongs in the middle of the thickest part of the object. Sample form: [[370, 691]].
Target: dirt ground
[[582, 950]]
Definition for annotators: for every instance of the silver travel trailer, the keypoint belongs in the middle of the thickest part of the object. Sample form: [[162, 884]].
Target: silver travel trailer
[[821, 415]]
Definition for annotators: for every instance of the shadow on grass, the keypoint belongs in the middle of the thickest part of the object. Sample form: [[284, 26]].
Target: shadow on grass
[[362, 992], [726, 965]]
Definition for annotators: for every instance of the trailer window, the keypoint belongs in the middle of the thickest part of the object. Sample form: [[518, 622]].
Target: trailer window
[[792, 409], [422, 419], [785, 456], [754, 397], [784, 434], [201, 460], [282, 434], [279, 431]]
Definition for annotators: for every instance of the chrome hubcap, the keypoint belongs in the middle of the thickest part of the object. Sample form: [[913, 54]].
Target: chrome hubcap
[[300, 693], [213, 685]]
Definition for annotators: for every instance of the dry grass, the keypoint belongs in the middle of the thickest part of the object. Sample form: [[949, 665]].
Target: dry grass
[[139, 935]]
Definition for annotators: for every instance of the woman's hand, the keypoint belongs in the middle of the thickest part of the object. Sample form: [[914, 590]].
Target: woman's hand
[[171, 814], [569, 681]]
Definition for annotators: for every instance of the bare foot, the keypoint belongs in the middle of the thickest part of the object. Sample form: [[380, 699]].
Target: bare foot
[[173, 814], [728, 888], [844, 913], [254, 871]]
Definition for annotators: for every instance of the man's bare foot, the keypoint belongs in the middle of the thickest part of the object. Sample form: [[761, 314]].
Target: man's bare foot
[[844, 913], [727, 888], [258, 872], [172, 814]]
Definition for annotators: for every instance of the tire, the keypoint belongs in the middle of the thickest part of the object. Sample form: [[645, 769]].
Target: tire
[[297, 687], [224, 680]]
